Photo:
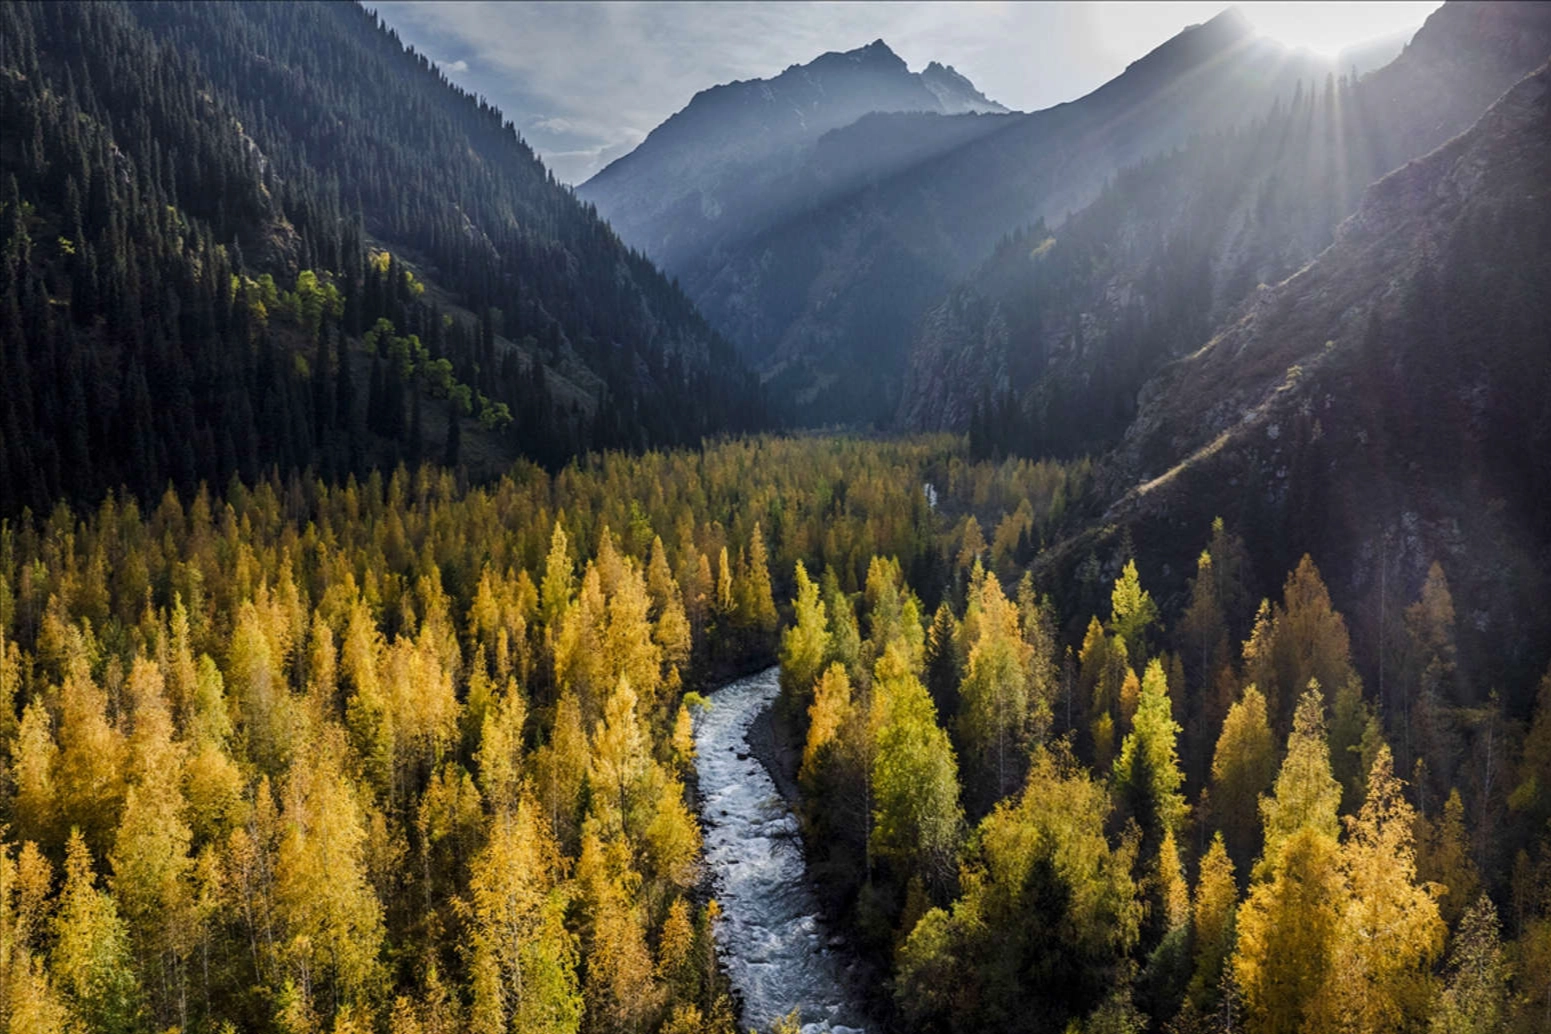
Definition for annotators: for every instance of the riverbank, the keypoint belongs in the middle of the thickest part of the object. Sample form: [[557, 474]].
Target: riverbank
[[773, 743]]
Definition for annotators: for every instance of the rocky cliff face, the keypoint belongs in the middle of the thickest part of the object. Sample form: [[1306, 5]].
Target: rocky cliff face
[[1050, 339], [1387, 406]]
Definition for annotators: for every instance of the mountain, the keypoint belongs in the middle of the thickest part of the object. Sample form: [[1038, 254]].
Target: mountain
[[820, 275], [1043, 349], [1387, 406], [208, 210], [719, 169]]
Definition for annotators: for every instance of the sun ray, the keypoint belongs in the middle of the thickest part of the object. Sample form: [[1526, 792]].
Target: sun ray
[[1328, 28]]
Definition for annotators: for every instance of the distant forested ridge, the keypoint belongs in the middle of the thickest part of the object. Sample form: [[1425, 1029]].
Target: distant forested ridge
[[209, 210]]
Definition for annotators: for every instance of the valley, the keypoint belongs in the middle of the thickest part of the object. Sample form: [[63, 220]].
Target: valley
[[869, 559]]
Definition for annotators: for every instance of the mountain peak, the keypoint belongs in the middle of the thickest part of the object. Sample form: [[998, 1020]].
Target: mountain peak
[[877, 53], [740, 120], [1232, 21], [1192, 47]]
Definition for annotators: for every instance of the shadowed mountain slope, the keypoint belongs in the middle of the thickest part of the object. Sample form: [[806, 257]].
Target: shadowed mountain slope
[[1043, 349], [167, 158], [1386, 407]]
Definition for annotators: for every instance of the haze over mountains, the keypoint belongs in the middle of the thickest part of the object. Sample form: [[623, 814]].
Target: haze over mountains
[[1387, 405], [700, 171], [884, 247], [1053, 335], [816, 256]]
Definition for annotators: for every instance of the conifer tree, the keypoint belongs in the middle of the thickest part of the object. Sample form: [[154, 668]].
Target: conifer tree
[[1443, 858], [152, 878], [324, 901], [943, 664], [1203, 627], [1391, 931], [620, 989], [756, 601], [916, 813], [1132, 611], [1475, 994], [90, 770], [1243, 767], [560, 769], [805, 642], [827, 715], [995, 717], [500, 751], [91, 958], [1306, 795], [1216, 900], [1308, 640], [1147, 774], [1288, 932], [523, 964], [34, 757], [845, 637], [559, 578]]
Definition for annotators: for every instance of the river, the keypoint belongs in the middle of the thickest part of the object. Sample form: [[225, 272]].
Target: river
[[778, 953]]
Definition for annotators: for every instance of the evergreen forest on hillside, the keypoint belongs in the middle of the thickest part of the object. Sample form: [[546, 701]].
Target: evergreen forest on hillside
[[206, 219]]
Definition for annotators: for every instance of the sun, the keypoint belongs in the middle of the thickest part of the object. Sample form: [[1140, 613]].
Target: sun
[[1326, 28]]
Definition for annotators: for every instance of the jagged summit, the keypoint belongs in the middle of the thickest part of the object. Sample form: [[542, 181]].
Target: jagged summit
[[806, 100], [696, 163], [955, 92]]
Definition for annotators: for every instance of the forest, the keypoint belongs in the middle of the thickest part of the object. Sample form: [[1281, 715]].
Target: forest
[[1204, 825], [196, 254], [406, 754]]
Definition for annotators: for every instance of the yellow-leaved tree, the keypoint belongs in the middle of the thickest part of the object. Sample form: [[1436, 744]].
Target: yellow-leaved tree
[[994, 717], [804, 643], [1391, 931], [1291, 924], [522, 959], [1243, 767]]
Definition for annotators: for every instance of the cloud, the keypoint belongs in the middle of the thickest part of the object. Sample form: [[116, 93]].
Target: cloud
[[552, 125]]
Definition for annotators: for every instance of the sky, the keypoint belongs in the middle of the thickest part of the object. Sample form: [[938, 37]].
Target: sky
[[585, 82]]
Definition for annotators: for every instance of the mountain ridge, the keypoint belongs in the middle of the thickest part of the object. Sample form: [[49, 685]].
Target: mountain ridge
[[831, 256], [1050, 348], [1385, 405], [704, 175]]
